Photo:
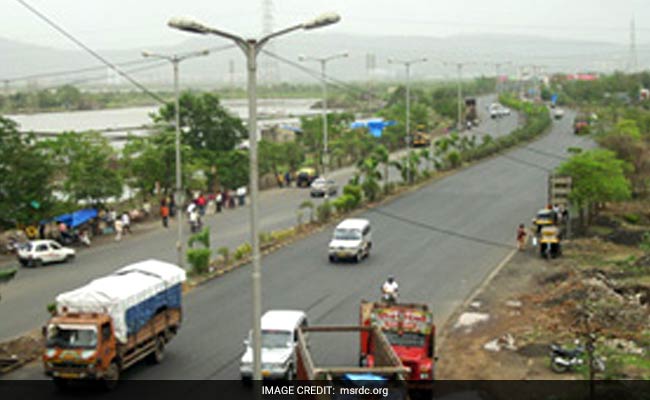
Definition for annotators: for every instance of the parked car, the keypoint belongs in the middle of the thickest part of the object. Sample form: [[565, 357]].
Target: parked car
[[558, 113], [321, 187], [38, 252], [305, 177], [352, 239]]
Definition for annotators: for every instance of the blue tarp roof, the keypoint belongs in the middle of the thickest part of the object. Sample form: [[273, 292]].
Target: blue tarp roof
[[77, 218], [375, 126]]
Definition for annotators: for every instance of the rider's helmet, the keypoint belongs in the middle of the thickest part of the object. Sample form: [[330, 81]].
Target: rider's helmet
[[390, 279]]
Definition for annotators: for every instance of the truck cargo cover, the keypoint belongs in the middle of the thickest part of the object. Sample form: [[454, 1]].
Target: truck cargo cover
[[125, 288]]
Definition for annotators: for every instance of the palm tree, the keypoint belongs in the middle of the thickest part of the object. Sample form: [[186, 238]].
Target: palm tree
[[382, 155]]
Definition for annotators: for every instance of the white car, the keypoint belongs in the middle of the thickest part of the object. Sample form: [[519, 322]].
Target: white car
[[558, 113], [351, 240], [38, 252], [321, 187]]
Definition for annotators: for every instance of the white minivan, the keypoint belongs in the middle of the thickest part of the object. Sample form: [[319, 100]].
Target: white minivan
[[279, 340], [352, 239]]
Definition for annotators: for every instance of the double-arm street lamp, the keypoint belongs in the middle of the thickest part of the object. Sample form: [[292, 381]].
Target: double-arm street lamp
[[323, 66], [175, 60], [408, 64], [251, 48]]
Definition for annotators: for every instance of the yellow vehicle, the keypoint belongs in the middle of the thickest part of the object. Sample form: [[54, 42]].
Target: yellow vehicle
[[305, 177], [544, 217], [421, 139], [550, 242]]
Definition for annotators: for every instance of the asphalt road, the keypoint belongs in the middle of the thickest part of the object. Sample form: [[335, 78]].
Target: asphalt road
[[440, 242], [24, 299]]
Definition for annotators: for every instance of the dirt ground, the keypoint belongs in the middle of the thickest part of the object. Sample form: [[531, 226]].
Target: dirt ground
[[596, 286]]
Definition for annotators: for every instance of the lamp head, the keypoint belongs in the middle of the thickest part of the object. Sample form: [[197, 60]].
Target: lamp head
[[322, 20]]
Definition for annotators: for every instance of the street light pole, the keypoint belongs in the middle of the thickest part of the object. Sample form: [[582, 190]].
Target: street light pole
[[323, 66], [407, 65], [175, 60], [251, 49]]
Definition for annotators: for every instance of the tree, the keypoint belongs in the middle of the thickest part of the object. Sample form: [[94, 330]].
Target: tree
[[25, 187], [87, 164], [207, 125], [232, 169], [597, 177]]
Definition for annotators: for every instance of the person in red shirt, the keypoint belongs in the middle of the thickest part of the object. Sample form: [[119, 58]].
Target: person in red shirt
[[164, 213], [521, 237]]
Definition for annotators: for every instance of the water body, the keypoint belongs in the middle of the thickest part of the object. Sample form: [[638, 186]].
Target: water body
[[270, 111]]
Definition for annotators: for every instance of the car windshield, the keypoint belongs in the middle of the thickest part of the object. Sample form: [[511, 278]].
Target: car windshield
[[544, 215], [319, 182], [407, 339], [275, 339], [347, 234], [72, 337]]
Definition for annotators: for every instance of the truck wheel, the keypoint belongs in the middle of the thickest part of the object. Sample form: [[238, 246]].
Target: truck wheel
[[158, 354], [111, 377]]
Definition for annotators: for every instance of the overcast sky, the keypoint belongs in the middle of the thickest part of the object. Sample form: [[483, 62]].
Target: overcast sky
[[122, 24]]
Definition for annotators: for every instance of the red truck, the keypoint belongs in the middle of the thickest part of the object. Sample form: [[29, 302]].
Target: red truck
[[411, 333]]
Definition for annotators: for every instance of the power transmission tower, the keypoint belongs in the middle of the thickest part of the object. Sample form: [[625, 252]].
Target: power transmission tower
[[633, 62], [269, 71]]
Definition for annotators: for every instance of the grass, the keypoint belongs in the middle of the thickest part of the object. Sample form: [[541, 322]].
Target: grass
[[7, 274]]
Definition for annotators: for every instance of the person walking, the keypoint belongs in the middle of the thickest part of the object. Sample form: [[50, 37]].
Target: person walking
[[241, 195], [164, 213], [126, 223], [118, 230], [287, 179], [521, 237], [172, 206], [219, 201]]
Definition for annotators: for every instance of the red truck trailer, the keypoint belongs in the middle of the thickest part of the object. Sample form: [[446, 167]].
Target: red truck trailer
[[410, 330]]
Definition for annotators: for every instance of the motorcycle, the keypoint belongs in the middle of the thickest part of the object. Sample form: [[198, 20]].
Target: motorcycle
[[389, 297], [564, 360]]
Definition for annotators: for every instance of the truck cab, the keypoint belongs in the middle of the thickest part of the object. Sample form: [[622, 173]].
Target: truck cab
[[410, 331], [79, 346]]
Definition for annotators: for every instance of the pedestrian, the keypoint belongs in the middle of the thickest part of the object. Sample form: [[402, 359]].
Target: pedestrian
[[201, 203], [118, 230], [164, 213], [231, 198], [219, 201], [172, 206], [287, 179], [521, 237], [241, 195], [112, 216], [126, 223], [278, 178]]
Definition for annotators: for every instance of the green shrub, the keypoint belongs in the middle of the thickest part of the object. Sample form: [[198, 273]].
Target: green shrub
[[51, 308], [202, 237], [454, 159], [632, 218], [355, 192], [199, 259], [242, 251], [389, 188], [371, 189], [265, 238], [324, 212]]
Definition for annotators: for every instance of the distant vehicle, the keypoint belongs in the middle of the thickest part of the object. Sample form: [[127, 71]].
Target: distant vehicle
[[421, 139], [544, 217], [352, 239], [279, 339], [114, 322], [497, 110], [38, 252], [321, 187], [558, 113], [305, 177]]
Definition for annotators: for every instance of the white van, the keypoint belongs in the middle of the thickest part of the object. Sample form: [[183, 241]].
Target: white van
[[279, 340], [352, 239]]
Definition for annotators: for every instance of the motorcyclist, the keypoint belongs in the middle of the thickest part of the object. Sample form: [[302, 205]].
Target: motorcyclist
[[390, 289]]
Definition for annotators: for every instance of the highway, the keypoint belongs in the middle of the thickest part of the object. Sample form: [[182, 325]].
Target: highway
[[24, 300], [440, 242]]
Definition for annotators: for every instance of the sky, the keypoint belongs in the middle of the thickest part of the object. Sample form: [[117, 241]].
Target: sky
[[127, 24]]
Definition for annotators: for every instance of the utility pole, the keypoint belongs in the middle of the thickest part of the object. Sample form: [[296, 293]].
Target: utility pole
[[175, 60], [323, 67], [459, 77], [633, 62], [407, 65]]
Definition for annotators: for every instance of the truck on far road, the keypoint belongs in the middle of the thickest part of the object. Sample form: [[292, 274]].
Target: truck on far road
[[410, 331], [113, 322], [382, 367]]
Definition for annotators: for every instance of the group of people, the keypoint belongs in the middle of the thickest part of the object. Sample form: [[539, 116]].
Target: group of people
[[560, 215], [198, 207], [284, 180], [121, 223]]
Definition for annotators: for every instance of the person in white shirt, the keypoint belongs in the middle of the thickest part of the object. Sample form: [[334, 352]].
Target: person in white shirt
[[126, 223], [390, 288], [241, 195]]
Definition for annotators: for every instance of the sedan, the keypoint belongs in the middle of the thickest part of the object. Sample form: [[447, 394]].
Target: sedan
[[38, 252], [321, 187]]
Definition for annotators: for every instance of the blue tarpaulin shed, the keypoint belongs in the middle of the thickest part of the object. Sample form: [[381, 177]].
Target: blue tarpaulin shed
[[77, 218]]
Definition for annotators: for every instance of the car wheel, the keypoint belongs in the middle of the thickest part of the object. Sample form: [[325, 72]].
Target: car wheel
[[37, 263], [358, 257], [332, 259], [69, 258]]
